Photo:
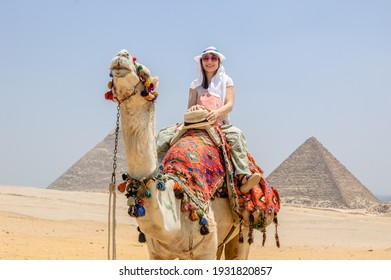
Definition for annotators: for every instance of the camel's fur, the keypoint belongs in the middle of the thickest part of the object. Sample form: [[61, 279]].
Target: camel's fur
[[169, 232]]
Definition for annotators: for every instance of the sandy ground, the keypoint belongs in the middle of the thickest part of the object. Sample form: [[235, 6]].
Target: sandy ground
[[40, 224]]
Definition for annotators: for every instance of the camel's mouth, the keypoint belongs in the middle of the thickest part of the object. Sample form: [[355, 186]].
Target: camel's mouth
[[121, 65]]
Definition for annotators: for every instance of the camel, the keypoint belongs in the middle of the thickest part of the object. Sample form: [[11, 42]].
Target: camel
[[170, 233]]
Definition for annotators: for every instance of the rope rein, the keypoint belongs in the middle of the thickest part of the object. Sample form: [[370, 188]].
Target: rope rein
[[112, 223], [111, 248]]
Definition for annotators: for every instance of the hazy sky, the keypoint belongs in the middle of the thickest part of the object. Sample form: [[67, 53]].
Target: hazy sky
[[300, 68]]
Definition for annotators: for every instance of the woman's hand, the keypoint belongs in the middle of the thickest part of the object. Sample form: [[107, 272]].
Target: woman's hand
[[213, 115]]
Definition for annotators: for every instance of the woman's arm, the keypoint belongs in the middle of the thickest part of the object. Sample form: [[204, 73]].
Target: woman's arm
[[226, 108], [192, 101], [192, 98]]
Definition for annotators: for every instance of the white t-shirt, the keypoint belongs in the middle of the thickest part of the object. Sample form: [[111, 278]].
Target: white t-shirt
[[229, 83], [218, 92]]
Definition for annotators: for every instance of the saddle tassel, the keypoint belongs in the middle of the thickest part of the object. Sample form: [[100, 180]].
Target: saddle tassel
[[141, 236], [250, 232], [241, 239], [276, 234]]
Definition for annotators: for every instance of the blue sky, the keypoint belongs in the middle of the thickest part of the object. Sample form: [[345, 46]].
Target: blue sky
[[300, 68]]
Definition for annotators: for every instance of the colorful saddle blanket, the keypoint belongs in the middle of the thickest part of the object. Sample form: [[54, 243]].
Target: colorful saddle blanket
[[195, 161]]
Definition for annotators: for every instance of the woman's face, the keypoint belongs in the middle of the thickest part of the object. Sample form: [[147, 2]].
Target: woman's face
[[210, 63]]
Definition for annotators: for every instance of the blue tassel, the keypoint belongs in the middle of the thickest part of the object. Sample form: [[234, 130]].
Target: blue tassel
[[203, 221], [140, 210], [161, 186]]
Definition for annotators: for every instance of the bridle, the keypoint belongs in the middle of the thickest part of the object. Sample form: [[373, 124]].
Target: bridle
[[147, 92]]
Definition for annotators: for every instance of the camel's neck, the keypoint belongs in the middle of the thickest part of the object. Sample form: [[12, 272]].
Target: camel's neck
[[138, 129]]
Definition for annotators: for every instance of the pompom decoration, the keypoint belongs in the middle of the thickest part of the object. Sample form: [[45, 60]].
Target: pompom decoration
[[110, 84], [150, 97], [200, 212], [144, 93], [204, 230], [179, 194], [139, 68], [161, 186], [193, 216], [140, 210], [185, 206], [192, 206], [148, 193], [111, 75], [109, 95], [131, 201], [147, 83], [121, 187], [132, 211], [134, 59], [203, 221]]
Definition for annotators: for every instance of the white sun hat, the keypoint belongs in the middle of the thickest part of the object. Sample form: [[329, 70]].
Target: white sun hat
[[211, 50]]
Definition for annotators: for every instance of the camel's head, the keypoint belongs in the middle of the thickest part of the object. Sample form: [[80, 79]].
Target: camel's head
[[131, 78]]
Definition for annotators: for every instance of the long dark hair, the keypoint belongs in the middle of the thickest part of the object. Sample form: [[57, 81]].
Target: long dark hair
[[205, 83]]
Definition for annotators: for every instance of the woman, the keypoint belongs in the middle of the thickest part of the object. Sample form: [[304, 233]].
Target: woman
[[214, 90]]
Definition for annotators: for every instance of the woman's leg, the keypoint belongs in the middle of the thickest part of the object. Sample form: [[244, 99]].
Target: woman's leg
[[237, 141]]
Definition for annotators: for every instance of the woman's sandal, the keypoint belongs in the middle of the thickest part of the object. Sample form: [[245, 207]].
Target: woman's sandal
[[251, 181]]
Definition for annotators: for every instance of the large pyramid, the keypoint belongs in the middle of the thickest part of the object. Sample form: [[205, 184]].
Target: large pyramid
[[312, 176], [93, 171]]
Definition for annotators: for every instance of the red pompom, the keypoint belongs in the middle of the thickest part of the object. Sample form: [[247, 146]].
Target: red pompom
[[109, 95], [121, 187], [134, 58]]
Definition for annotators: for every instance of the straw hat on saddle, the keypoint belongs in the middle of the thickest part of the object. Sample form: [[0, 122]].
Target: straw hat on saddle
[[196, 119]]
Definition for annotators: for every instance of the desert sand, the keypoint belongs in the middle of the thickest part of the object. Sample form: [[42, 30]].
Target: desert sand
[[41, 224]]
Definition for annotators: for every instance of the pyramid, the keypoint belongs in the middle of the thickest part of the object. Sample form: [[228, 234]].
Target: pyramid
[[93, 171], [312, 176]]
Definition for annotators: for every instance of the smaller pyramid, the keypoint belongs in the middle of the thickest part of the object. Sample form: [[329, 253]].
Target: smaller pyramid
[[92, 172], [312, 176]]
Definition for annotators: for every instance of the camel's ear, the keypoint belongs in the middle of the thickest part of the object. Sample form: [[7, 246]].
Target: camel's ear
[[143, 71], [155, 81]]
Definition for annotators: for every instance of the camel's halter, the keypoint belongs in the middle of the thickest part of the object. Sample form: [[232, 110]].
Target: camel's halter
[[111, 248]]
